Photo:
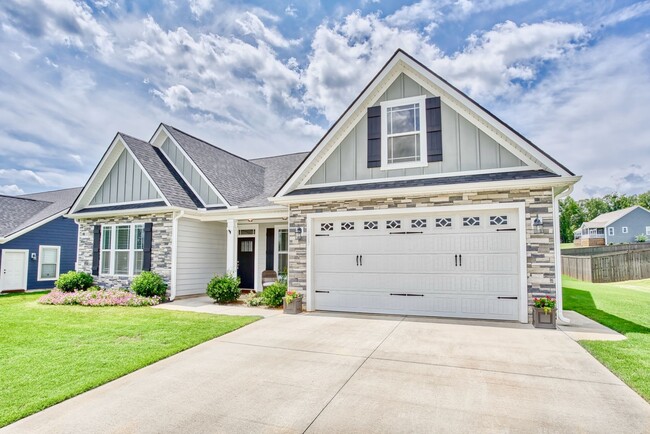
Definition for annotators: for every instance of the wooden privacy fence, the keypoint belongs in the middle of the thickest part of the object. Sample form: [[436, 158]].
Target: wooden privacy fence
[[598, 250], [608, 267]]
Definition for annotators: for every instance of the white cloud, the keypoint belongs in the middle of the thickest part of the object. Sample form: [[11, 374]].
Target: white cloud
[[23, 175], [633, 11], [11, 190], [199, 7], [589, 114], [291, 10], [175, 97], [251, 24]]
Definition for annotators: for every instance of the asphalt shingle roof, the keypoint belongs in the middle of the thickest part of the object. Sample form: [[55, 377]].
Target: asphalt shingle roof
[[608, 218], [276, 170], [20, 212], [162, 174]]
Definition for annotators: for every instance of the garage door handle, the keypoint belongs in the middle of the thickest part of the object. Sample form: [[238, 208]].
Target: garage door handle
[[460, 260], [357, 260], [401, 295], [507, 298], [455, 260], [507, 230], [415, 295], [361, 260], [322, 292]]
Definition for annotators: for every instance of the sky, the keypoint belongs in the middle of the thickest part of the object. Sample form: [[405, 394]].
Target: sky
[[267, 78]]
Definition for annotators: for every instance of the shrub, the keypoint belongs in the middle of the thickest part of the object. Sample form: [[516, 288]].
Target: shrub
[[254, 299], [641, 238], [98, 297], [74, 281], [149, 284], [273, 294], [224, 289]]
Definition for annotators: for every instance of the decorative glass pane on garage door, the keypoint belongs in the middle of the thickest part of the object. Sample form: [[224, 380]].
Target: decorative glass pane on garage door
[[418, 223], [444, 222], [370, 225], [498, 220], [393, 224], [327, 226], [347, 226], [471, 221]]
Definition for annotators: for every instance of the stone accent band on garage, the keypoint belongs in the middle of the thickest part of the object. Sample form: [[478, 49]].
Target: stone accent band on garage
[[540, 251]]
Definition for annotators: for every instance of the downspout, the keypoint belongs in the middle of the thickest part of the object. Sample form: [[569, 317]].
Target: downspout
[[558, 254], [175, 219]]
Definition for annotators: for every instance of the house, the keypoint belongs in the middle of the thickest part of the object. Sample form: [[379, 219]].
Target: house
[[622, 226], [416, 201], [36, 242]]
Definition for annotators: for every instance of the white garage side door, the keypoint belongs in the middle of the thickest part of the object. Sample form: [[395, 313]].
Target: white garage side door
[[452, 264]]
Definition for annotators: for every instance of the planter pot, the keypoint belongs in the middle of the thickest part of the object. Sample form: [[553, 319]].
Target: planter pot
[[293, 307], [544, 320]]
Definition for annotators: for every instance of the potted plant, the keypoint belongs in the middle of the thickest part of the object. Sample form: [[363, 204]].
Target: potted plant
[[544, 312], [292, 302]]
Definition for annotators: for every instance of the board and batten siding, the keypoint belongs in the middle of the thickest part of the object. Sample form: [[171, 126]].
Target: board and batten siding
[[464, 146], [125, 183], [201, 254], [190, 173]]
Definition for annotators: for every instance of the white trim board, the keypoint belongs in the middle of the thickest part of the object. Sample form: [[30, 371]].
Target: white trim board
[[58, 263], [520, 207]]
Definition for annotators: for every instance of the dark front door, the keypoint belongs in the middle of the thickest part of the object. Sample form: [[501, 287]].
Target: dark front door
[[246, 261]]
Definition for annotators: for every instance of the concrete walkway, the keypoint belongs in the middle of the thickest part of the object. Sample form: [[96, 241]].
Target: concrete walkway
[[336, 373], [205, 304]]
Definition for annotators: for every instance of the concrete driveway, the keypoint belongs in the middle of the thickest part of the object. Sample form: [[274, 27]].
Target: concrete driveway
[[327, 373]]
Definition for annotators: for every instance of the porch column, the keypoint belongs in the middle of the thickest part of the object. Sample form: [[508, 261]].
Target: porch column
[[231, 247]]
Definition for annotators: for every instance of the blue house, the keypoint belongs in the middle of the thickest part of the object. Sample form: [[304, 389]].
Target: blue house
[[36, 242]]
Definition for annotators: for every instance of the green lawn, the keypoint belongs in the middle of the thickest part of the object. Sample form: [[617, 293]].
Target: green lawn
[[624, 307], [51, 353]]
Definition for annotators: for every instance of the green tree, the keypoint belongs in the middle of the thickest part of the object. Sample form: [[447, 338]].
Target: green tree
[[644, 200], [593, 207], [572, 215], [617, 201]]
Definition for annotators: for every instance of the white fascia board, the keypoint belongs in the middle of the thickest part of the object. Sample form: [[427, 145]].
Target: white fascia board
[[428, 190], [180, 148], [257, 213], [483, 115], [350, 113], [32, 227], [123, 212]]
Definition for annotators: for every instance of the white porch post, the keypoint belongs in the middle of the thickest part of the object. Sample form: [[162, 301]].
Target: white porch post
[[231, 247]]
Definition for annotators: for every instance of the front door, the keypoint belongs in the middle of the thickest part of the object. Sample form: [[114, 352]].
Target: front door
[[14, 269], [246, 262]]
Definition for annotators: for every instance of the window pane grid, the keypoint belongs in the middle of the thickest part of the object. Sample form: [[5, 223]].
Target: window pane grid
[[122, 251]]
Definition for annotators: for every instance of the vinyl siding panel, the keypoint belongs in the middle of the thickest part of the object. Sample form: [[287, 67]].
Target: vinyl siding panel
[[59, 232], [464, 147], [635, 221], [201, 255]]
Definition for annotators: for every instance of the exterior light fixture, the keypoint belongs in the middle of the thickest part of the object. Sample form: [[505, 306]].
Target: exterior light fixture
[[538, 225], [299, 231]]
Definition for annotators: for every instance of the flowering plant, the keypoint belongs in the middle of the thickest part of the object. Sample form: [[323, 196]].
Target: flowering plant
[[98, 297], [292, 295], [546, 303]]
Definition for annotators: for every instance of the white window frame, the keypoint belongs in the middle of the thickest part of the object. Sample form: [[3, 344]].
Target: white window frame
[[58, 263], [385, 105], [113, 249], [647, 230], [276, 248], [610, 231], [624, 230]]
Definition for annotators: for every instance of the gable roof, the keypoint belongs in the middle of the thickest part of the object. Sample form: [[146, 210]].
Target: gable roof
[[18, 213], [608, 218], [402, 56]]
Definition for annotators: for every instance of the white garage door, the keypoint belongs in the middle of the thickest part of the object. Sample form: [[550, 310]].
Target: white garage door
[[453, 264]]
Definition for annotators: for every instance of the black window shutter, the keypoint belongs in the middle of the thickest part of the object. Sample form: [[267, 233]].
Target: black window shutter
[[434, 129], [270, 240], [97, 239], [374, 136], [146, 257]]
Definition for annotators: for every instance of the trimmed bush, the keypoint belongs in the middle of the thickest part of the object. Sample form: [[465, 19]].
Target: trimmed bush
[[98, 297], [273, 294], [224, 289], [149, 284], [74, 281]]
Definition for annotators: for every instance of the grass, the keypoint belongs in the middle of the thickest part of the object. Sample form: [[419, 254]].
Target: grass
[[567, 246], [624, 307], [52, 353]]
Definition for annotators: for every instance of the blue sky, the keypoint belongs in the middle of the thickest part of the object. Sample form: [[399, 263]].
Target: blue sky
[[264, 78]]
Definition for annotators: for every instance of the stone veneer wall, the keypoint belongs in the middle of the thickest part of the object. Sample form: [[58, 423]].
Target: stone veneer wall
[[161, 248], [540, 255]]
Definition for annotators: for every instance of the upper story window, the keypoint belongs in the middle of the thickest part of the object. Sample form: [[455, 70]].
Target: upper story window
[[403, 139]]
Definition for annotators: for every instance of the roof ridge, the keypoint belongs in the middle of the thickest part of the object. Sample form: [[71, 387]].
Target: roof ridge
[[50, 191], [279, 155], [25, 198], [207, 143]]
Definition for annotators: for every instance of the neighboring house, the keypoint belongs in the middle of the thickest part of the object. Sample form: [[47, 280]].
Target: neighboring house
[[622, 226], [36, 242], [416, 201]]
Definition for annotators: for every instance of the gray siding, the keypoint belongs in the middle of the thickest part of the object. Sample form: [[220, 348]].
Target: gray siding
[[635, 221], [464, 147], [201, 255], [125, 183], [190, 173]]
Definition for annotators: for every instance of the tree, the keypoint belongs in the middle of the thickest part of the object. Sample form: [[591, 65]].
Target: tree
[[617, 201], [572, 215], [594, 207], [644, 200]]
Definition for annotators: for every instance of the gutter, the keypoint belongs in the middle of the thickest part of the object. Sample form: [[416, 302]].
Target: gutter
[[175, 219], [558, 254]]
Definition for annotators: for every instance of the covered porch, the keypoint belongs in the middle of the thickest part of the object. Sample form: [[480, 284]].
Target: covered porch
[[246, 244]]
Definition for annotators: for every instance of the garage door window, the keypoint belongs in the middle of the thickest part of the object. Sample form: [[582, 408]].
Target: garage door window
[[347, 226], [471, 221], [498, 220], [371, 225], [444, 222], [326, 227], [418, 223], [393, 224]]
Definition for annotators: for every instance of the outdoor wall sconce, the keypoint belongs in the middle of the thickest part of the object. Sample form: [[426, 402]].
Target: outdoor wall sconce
[[33, 256], [299, 231], [538, 225]]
